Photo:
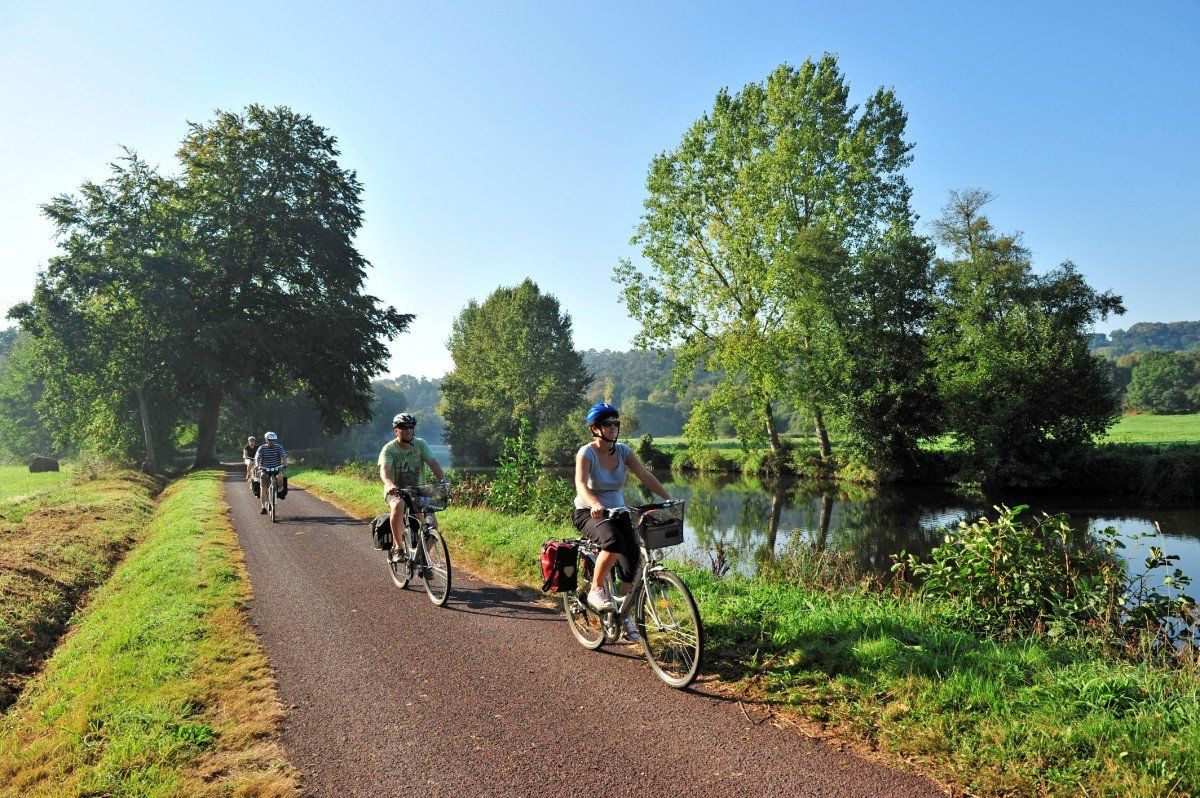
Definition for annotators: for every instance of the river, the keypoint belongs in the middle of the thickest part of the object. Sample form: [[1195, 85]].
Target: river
[[745, 520]]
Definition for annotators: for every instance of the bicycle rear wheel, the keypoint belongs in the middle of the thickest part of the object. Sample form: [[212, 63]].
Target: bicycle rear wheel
[[436, 568], [584, 621], [669, 623], [271, 497]]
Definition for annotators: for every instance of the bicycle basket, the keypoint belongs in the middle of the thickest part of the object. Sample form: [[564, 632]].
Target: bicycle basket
[[430, 497], [662, 526]]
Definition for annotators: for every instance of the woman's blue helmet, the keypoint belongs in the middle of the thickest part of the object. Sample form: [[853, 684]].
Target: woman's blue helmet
[[599, 412]]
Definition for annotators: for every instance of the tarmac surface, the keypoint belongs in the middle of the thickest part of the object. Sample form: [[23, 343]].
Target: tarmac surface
[[387, 695]]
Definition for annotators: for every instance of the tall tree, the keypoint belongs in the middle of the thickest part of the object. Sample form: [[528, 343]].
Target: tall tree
[[750, 224], [514, 361], [1021, 390], [278, 280], [109, 312]]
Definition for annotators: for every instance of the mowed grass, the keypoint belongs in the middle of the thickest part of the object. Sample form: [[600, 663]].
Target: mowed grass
[[1143, 428], [1029, 717], [161, 688], [56, 544], [16, 481]]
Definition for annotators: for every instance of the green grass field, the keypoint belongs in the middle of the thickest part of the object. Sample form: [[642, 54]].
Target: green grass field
[[1030, 717], [16, 481], [161, 689], [1142, 428], [1131, 428]]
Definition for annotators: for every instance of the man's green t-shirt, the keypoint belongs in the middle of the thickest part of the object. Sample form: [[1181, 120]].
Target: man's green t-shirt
[[407, 466]]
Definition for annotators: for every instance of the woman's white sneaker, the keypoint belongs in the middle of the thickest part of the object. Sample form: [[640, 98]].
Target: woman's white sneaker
[[599, 600]]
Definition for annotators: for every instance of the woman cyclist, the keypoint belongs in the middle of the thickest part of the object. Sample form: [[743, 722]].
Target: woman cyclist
[[601, 468], [248, 453]]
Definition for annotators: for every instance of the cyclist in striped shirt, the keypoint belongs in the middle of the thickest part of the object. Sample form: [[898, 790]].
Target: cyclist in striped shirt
[[270, 457]]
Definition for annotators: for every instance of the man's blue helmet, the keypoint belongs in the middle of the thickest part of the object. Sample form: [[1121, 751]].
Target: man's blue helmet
[[599, 412]]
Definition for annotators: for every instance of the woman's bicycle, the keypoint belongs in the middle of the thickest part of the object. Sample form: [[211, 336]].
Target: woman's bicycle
[[421, 550], [660, 604]]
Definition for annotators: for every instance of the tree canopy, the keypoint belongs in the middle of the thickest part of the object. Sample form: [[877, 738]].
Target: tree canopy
[[781, 257], [514, 360]]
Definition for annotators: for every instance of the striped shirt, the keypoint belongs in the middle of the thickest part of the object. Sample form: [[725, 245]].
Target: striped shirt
[[270, 455]]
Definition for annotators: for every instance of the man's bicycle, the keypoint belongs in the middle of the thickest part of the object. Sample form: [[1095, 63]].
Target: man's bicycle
[[659, 602], [269, 481], [421, 550]]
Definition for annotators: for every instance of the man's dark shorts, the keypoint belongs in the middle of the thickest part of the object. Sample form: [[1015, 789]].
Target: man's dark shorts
[[614, 534]]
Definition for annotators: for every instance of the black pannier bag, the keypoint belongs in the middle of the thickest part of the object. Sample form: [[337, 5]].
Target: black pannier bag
[[257, 488], [560, 566], [381, 531]]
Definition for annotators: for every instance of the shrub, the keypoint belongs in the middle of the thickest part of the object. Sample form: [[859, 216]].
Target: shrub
[[1010, 577], [651, 455], [556, 445], [521, 486]]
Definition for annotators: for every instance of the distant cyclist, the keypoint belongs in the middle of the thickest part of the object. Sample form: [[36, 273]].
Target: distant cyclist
[[601, 468], [248, 453], [402, 464], [270, 457]]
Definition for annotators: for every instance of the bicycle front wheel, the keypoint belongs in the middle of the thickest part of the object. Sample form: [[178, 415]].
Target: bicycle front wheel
[[271, 497], [669, 623], [436, 569]]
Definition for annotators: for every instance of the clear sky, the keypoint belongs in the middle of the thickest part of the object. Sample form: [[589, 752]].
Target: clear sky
[[503, 140]]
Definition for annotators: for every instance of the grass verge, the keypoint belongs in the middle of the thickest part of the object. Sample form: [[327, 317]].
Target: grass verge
[[16, 482], [160, 688], [56, 544], [1028, 717]]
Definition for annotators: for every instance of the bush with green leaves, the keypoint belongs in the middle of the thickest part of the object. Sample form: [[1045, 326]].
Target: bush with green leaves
[[1009, 577], [521, 486], [1163, 382]]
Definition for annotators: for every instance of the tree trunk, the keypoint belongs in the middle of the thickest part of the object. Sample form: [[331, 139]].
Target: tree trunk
[[822, 433], [768, 549], [151, 465], [823, 523], [773, 430], [206, 440]]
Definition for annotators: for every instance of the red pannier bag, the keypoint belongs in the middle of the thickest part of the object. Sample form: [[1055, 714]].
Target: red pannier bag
[[560, 566]]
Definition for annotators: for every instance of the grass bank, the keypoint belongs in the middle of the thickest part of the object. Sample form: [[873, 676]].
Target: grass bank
[[1026, 717], [16, 482], [160, 688], [59, 538]]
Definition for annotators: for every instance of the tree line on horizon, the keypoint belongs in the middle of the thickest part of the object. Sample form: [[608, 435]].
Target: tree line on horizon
[[785, 285]]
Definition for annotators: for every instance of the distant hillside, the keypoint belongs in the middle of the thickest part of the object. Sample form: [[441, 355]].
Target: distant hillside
[[1146, 335]]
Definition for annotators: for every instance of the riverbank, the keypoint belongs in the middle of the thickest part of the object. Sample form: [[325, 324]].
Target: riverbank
[[1029, 716], [1161, 470], [161, 688]]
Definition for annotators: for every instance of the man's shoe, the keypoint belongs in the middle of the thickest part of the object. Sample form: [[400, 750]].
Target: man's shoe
[[263, 511], [599, 600]]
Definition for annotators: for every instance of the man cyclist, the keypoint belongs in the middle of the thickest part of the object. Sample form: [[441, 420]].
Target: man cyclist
[[248, 453], [270, 457], [402, 464]]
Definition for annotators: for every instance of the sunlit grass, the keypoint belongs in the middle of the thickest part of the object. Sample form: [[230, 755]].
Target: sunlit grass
[[161, 689], [16, 481], [1144, 428]]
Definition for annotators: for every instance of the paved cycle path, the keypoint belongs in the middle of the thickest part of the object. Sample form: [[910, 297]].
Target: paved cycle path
[[388, 695]]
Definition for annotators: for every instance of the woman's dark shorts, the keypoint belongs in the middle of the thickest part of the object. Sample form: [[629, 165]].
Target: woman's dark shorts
[[614, 534]]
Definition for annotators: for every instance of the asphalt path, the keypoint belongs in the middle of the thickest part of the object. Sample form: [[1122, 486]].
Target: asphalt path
[[388, 695]]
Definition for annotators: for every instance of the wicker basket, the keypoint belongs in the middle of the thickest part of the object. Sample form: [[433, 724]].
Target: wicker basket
[[662, 526]]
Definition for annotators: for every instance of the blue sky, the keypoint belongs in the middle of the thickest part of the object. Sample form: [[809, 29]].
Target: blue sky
[[503, 140]]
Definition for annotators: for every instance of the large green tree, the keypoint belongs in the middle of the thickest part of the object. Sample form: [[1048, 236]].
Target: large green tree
[[109, 314], [1162, 381], [278, 280], [756, 226], [514, 361], [1021, 391]]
